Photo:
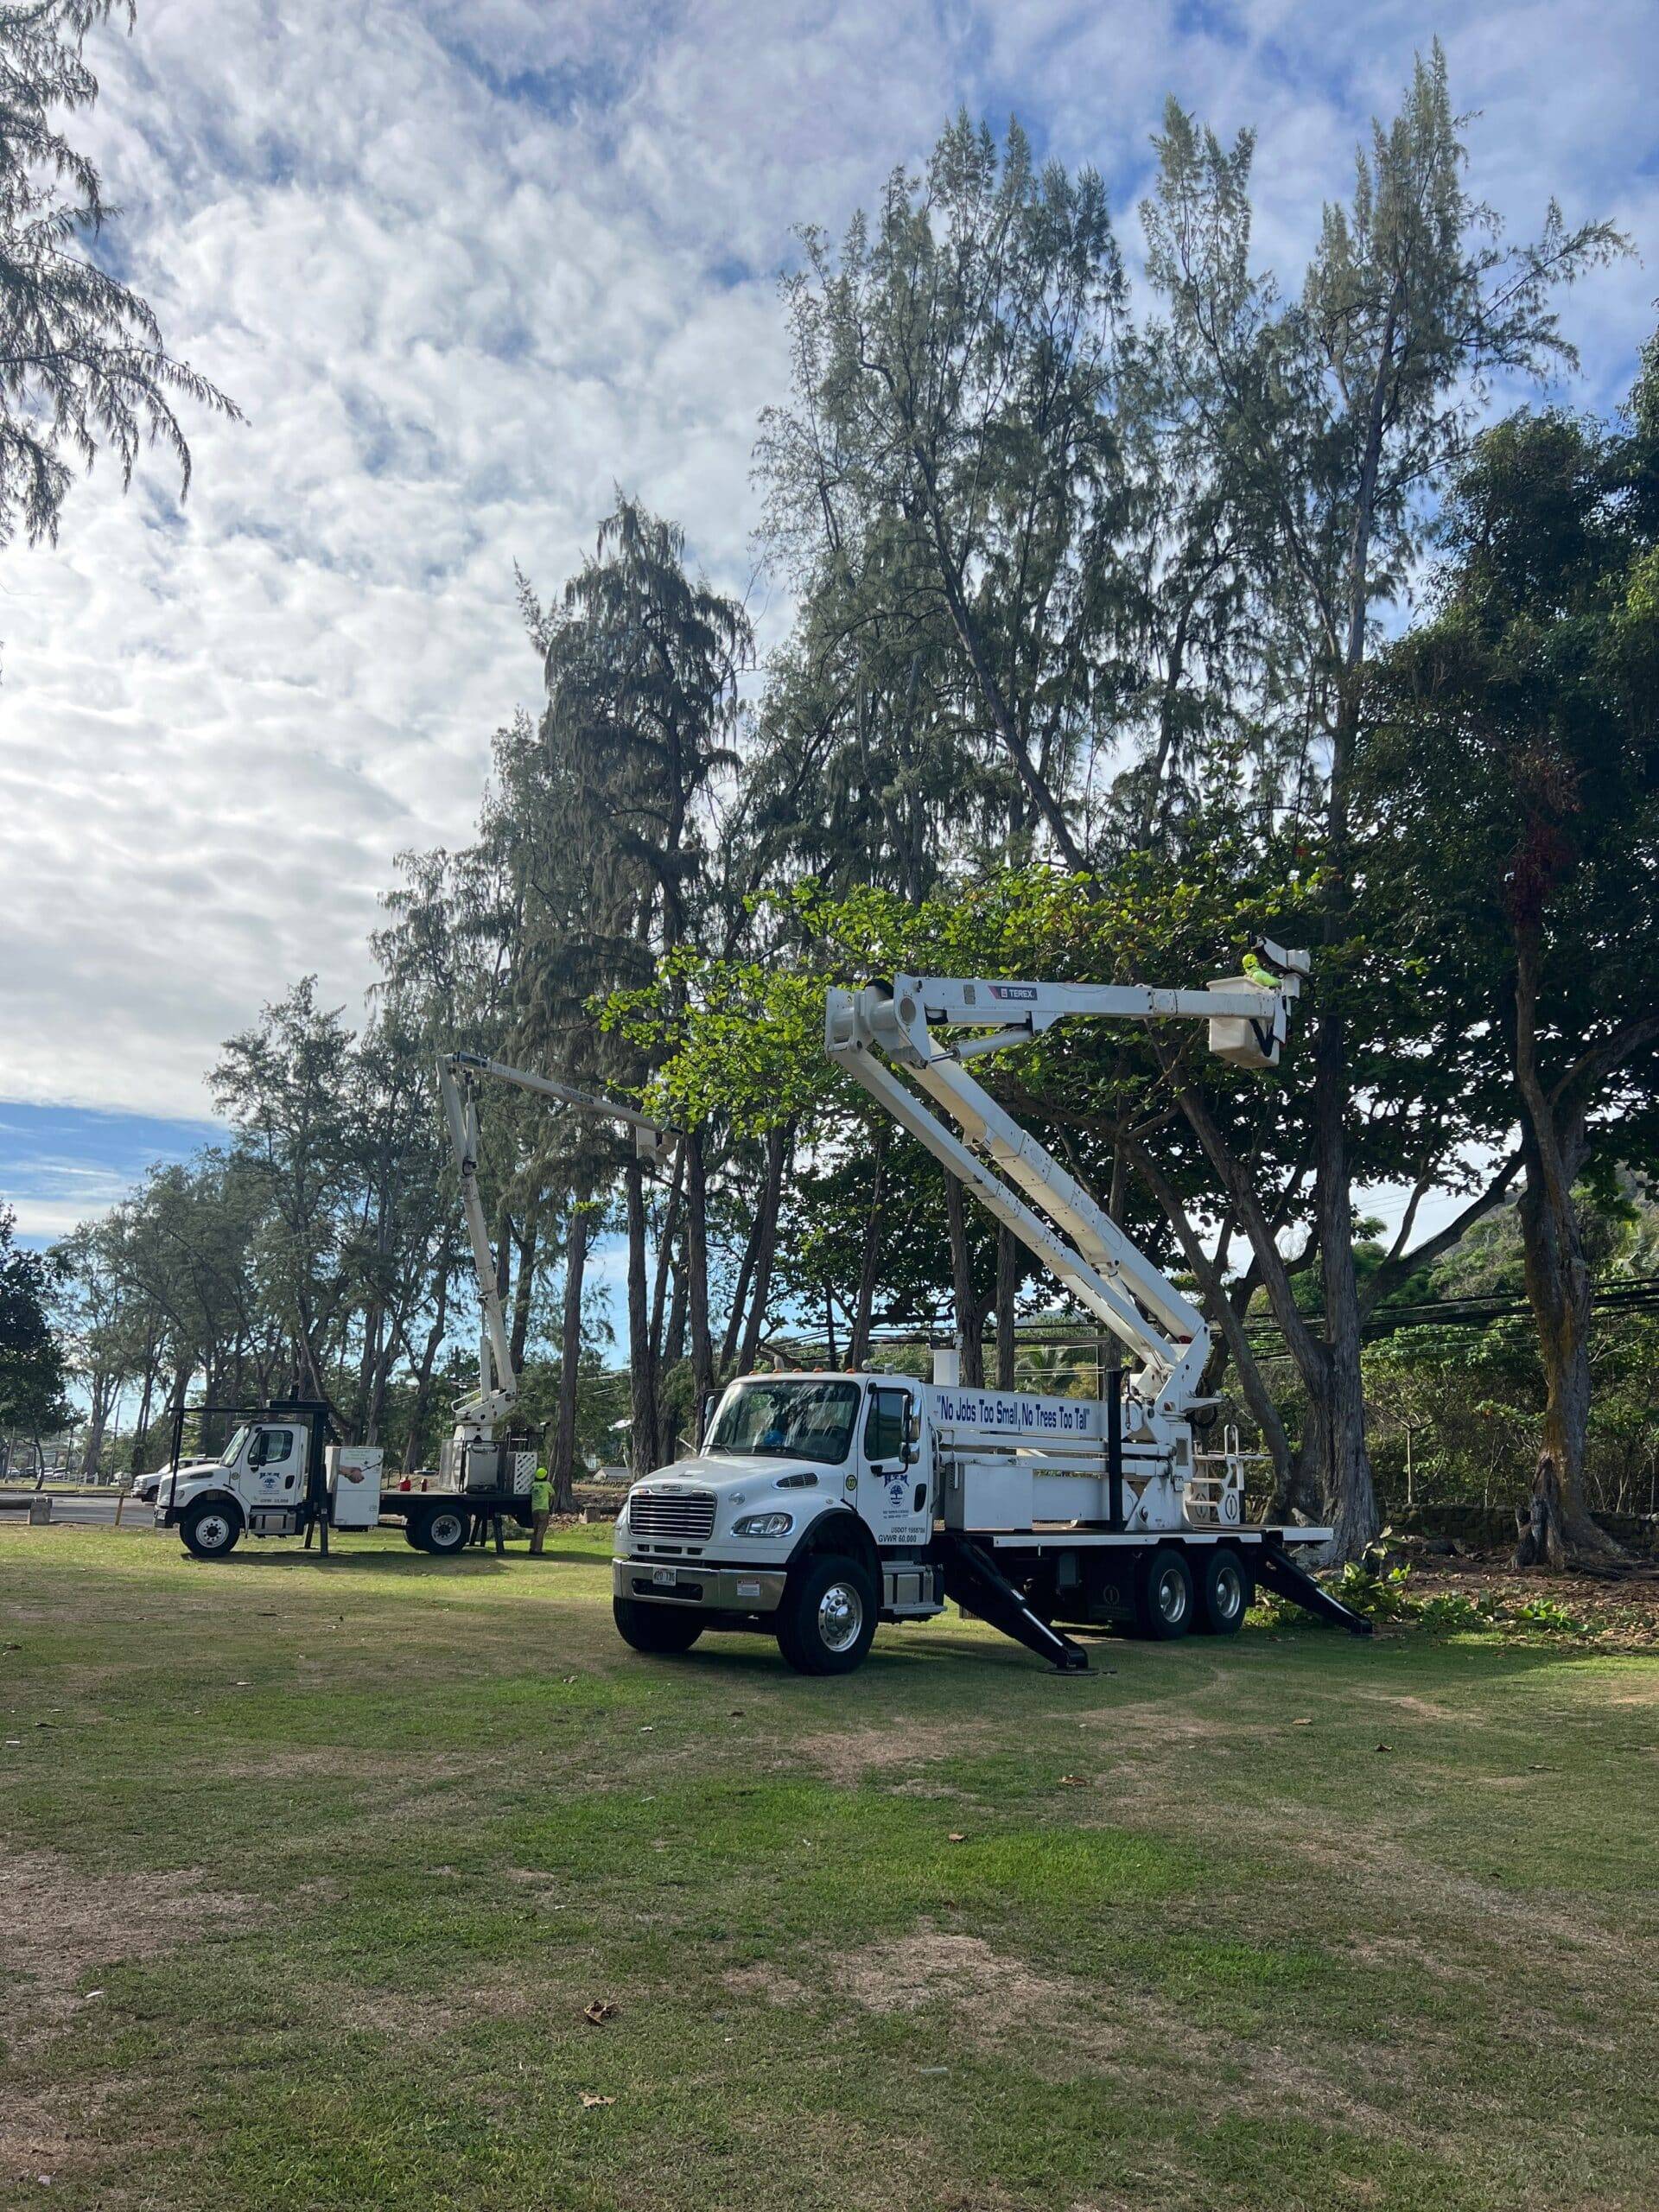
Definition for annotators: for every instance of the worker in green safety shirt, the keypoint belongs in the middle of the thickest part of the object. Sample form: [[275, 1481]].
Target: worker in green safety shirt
[[1263, 978], [540, 1510]]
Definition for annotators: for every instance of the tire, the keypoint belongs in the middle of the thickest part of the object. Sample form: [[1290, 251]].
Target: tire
[[655, 1628], [827, 1621], [210, 1530], [445, 1532], [1164, 1599], [415, 1535], [1224, 1594]]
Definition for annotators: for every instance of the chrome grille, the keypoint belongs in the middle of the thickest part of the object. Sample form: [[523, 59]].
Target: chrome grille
[[687, 1517]]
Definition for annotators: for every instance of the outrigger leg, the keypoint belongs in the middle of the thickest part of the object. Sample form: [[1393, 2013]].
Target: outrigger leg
[[1283, 1575], [974, 1581]]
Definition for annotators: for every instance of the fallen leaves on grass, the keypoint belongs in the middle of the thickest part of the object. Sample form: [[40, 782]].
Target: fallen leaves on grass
[[956, 1836], [600, 2011], [589, 2099]]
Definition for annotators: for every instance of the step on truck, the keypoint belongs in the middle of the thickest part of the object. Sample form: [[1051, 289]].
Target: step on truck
[[282, 1473], [819, 1505]]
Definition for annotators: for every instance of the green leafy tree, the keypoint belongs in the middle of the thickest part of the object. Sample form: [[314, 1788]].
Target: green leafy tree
[[32, 1366], [1342, 410], [1515, 784], [948, 455]]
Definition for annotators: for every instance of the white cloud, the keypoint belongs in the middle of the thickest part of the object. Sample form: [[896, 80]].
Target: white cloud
[[467, 265]]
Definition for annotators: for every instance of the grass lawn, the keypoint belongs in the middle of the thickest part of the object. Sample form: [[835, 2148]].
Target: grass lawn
[[311, 1871]]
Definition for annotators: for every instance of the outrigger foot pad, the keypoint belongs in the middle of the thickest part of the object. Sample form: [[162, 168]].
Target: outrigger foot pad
[[974, 1581]]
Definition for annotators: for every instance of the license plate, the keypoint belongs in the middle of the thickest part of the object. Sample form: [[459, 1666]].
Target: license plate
[[664, 1577]]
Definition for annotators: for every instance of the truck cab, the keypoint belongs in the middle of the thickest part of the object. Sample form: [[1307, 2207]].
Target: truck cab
[[808, 1509], [276, 1475]]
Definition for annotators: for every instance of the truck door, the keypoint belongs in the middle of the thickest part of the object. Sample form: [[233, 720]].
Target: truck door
[[273, 1467], [895, 1489]]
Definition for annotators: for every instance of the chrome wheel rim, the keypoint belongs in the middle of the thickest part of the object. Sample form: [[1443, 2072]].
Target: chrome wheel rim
[[445, 1530], [212, 1532], [841, 1617], [1230, 1592], [1172, 1595]]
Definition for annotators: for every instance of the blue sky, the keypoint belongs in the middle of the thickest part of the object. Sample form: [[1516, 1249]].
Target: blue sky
[[466, 265], [60, 1164]]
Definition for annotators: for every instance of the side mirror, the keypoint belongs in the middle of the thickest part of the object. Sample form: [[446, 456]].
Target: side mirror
[[907, 1452]]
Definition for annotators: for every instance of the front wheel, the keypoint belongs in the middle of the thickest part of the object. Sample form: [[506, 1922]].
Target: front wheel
[[654, 1628], [827, 1621], [446, 1533], [210, 1532]]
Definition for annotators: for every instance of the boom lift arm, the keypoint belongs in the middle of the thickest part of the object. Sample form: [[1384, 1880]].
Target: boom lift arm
[[1078, 1240], [459, 1081]]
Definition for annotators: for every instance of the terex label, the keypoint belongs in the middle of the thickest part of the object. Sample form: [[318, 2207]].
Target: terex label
[[1014, 990]]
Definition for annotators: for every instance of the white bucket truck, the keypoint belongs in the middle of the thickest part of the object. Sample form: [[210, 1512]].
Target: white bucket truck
[[819, 1505]]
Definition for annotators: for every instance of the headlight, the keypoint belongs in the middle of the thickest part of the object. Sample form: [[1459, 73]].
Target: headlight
[[763, 1524]]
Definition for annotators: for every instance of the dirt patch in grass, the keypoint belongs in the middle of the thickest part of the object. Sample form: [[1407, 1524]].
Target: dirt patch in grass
[[766, 1984], [986, 1986], [847, 1755], [418, 2022], [56, 2135], [58, 1925], [1002, 2003]]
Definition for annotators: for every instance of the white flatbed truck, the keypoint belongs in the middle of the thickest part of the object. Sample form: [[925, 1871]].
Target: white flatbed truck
[[280, 1474], [820, 1505]]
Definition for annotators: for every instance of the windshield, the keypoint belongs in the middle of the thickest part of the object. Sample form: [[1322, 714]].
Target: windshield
[[235, 1444], [787, 1421]]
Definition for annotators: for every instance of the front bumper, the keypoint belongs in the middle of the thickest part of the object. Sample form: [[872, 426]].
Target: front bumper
[[705, 1584]]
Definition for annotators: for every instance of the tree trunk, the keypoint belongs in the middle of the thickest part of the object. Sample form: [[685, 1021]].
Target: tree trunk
[[696, 1271], [1557, 1531], [1351, 1496], [525, 1248], [1007, 1283], [777, 1153], [564, 1433], [970, 1335], [668, 1231], [734, 1319], [642, 1378], [144, 1415], [424, 1380], [858, 1348], [673, 1352]]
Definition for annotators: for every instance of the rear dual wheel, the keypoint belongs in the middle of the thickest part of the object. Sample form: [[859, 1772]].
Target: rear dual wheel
[[1164, 1595], [1225, 1592], [1171, 1598]]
